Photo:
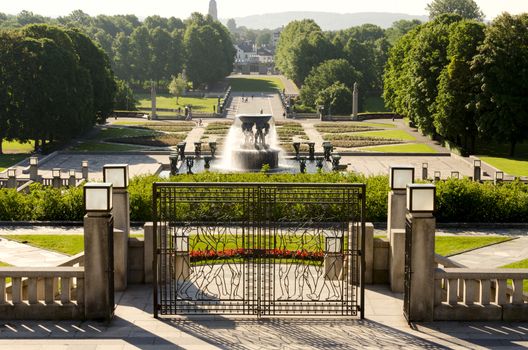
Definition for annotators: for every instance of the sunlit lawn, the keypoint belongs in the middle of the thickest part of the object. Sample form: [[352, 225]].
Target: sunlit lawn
[[450, 245], [406, 148], [498, 156], [166, 101], [17, 147], [7, 160], [255, 83], [523, 264], [374, 104], [388, 134]]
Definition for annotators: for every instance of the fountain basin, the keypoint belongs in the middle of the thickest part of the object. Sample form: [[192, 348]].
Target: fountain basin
[[253, 159]]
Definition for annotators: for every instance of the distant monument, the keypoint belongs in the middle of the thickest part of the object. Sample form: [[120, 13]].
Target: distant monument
[[212, 10], [355, 94]]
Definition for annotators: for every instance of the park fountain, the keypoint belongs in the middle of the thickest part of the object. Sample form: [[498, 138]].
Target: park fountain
[[250, 144]]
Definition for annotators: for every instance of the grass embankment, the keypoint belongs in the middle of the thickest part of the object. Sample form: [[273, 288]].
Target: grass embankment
[[523, 264], [166, 101], [7, 160], [407, 148], [498, 155], [251, 83], [451, 245]]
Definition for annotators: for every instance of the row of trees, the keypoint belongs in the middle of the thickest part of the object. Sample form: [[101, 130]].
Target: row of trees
[[155, 49], [463, 80], [327, 64], [55, 83]]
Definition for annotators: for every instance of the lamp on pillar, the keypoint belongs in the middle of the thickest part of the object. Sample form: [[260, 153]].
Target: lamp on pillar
[[11, 172], [399, 178], [33, 168], [499, 177], [437, 176], [72, 180], [85, 170], [98, 251], [56, 181], [477, 169], [425, 171], [421, 198], [118, 176], [98, 197], [455, 175], [420, 253]]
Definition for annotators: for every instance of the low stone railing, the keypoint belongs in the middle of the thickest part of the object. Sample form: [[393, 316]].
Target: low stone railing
[[55, 293], [464, 294]]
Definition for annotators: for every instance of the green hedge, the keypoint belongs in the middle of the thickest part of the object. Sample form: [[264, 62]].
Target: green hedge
[[457, 200]]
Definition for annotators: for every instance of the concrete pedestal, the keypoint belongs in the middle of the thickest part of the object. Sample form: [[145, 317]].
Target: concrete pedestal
[[397, 260], [11, 182], [121, 213], [333, 266], [33, 173], [396, 211], [421, 308], [98, 266], [182, 266]]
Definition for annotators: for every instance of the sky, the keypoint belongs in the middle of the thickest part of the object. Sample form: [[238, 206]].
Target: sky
[[239, 8]]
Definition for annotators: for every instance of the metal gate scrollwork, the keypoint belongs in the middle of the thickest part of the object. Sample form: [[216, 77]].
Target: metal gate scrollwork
[[259, 249]]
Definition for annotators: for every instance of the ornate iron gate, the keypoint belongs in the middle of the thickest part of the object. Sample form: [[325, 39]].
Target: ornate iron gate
[[259, 249]]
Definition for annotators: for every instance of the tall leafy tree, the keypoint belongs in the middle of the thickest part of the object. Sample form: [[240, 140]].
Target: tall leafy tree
[[467, 9], [455, 117], [141, 53], [502, 70]]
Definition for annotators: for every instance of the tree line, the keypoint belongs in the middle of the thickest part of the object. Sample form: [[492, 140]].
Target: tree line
[[327, 64], [462, 80], [55, 83], [154, 49]]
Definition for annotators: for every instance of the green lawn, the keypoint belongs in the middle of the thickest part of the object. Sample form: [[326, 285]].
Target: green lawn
[[169, 102], [7, 160], [407, 148], [255, 84], [129, 123], [451, 245], [388, 134], [374, 104], [523, 264], [17, 147], [498, 155]]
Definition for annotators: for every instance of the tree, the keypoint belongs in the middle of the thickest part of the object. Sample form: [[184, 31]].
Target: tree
[[501, 70], [467, 9], [177, 86], [231, 25], [455, 117], [141, 53], [336, 98], [302, 46], [324, 76], [124, 97], [399, 29]]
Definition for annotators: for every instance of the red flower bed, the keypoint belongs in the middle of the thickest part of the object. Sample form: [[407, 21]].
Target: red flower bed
[[199, 255]]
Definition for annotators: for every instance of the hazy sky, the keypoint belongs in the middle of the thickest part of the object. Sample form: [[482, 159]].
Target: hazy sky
[[239, 8]]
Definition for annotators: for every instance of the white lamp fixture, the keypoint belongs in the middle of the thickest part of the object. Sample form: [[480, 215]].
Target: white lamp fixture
[[98, 197], [116, 174], [499, 175], [421, 198], [181, 244], [11, 172], [33, 161], [333, 245], [85, 164], [55, 172], [437, 174], [71, 172], [425, 165], [455, 175], [477, 163], [400, 177]]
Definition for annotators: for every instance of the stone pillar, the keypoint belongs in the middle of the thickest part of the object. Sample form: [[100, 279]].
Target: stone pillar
[[56, 180], [397, 260], [153, 100], [33, 169], [98, 265], [85, 170], [355, 102], [11, 179], [477, 173], [121, 214], [396, 211], [422, 266]]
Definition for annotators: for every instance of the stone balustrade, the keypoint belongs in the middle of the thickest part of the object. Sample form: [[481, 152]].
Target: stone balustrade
[[464, 294], [55, 293]]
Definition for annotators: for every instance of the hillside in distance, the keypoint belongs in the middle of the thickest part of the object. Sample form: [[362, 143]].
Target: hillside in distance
[[326, 20]]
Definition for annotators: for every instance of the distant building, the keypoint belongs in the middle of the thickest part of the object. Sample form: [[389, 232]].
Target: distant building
[[213, 12], [250, 59], [275, 38]]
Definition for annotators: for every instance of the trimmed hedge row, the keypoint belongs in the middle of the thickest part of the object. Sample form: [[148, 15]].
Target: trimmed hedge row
[[457, 200]]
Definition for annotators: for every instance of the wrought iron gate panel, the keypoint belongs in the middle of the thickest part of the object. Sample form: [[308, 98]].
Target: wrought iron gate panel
[[258, 249]]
